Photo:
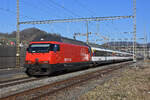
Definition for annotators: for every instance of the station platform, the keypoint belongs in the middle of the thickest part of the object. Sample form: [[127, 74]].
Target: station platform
[[12, 73]]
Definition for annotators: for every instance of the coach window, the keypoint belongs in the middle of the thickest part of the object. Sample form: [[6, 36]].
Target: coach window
[[56, 48]]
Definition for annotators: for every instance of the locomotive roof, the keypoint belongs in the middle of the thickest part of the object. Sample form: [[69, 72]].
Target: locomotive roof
[[58, 38]]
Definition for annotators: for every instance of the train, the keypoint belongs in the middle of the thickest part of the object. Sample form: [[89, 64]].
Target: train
[[48, 54]]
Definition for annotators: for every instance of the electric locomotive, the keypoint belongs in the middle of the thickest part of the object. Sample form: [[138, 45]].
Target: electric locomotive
[[45, 56]]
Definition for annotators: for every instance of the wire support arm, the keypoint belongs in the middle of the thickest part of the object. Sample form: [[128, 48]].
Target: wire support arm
[[76, 20]]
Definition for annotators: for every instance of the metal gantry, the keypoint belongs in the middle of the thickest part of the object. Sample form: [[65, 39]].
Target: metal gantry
[[87, 20], [76, 20]]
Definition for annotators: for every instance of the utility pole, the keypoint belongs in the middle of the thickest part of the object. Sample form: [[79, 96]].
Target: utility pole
[[18, 39], [87, 34], [134, 33]]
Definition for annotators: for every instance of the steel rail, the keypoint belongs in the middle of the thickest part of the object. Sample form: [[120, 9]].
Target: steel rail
[[7, 81], [18, 81]]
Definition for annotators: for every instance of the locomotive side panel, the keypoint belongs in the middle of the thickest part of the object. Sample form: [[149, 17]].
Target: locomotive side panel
[[74, 53]]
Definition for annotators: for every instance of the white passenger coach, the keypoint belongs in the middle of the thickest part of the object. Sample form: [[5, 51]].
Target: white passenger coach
[[100, 54]]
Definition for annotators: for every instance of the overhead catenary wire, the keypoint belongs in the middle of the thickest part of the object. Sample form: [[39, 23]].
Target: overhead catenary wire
[[48, 6], [39, 9], [44, 8], [84, 6], [117, 32], [67, 10], [8, 7], [12, 12], [56, 7], [40, 5]]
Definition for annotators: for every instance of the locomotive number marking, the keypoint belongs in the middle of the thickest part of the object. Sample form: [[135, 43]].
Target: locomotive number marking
[[67, 59]]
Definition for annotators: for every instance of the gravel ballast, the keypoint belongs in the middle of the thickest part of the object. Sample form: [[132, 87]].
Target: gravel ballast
[[132, 84], [30, 85]]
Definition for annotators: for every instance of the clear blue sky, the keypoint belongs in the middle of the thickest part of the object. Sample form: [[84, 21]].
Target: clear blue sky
[[60, 9]]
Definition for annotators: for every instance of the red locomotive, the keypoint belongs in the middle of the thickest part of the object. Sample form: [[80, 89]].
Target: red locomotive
[[45, 57], [48, 54]]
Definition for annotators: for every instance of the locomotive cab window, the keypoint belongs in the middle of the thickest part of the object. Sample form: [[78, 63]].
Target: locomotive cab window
[[56, 48], [40, 47]]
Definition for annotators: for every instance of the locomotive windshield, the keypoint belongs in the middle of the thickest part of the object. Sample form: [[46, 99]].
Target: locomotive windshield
[[40, 48]]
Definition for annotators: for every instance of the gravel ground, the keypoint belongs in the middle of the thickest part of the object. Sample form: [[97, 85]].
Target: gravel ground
[[132, 84], [76, 91], [72, 93]]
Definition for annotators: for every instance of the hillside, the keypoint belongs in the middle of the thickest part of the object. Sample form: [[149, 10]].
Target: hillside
[[29, 34], [26, 35]]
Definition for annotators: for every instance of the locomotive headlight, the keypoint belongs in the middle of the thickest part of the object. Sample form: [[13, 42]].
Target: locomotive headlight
[[45, 62], [28, 62]]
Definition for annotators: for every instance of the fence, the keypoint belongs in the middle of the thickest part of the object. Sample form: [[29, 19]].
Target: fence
[[8, 57]]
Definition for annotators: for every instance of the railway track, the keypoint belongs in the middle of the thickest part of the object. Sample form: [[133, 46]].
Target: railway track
[[10, 80], [42, 93], [17, 81]]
